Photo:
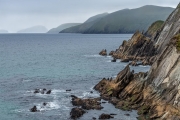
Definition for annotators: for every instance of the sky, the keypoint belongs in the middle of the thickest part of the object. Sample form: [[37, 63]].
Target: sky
[[19, 14]]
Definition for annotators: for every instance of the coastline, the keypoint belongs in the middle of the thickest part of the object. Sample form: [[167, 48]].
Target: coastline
[[154, 94]]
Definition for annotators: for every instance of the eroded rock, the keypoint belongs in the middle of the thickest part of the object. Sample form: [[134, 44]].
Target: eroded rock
[[76, 113], [103, 52], [105, 116], [87, 104]]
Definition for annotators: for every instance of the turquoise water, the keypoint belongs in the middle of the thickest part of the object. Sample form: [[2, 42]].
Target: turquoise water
[[57, 62]]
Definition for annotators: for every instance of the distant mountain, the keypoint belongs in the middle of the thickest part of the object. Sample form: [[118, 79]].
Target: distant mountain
[[96, 17], [62, 27], [124, 21], [3, 31], [34, 29], [86, 25]]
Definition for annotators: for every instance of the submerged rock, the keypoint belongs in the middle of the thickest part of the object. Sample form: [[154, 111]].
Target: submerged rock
[[114, 60], [48, 92], [34, 109], [68, 90], [42, 91]]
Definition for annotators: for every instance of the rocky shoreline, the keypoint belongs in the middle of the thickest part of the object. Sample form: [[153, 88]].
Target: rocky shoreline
[[155, 94]]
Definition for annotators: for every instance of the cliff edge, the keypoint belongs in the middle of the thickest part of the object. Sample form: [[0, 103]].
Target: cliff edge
[[155, 94]]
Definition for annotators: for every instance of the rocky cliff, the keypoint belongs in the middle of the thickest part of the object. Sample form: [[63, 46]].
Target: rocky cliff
[[155, 94], [138, 48]]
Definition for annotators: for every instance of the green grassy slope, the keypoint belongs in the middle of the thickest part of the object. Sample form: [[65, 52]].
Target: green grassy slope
[[124, 21], [62, 27], [130, 20]]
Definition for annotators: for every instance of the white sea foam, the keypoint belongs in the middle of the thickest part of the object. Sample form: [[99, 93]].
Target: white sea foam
[[50, 106], [93, 56], [88, 94]]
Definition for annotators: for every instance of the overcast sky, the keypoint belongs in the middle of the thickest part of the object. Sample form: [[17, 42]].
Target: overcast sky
[[20, 14]]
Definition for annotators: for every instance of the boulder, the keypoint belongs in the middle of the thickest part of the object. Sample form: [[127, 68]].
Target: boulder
[[76, 113], [34, 109], [114, 60], [105, 116], [103, 52], [125, 60], [48, 92]]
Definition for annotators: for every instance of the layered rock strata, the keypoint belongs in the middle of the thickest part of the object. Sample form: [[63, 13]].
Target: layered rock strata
[[155, 94]]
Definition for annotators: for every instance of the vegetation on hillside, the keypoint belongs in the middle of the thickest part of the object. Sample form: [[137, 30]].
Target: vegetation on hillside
[[154, 27], [124, 21]]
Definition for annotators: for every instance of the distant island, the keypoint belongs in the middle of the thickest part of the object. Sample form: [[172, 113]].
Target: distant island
[[122, 21], [62, 27], [34, 29]]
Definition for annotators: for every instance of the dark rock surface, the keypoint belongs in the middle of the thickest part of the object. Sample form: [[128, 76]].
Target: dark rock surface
[[34, 109], [87, 104], [105, 116], [103, 52], [76, 113]]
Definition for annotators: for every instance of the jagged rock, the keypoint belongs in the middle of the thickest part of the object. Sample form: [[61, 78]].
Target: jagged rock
[[42, 91], [111, 53], [34, 109], [48, 92], [73, 96], [94, 118], [44, 104], [68, 90], [105, 116], [137, 48], [134, 63], [91, 103], [127, 114], [114, 60], [103, 52], [125, 60], [76, 113]]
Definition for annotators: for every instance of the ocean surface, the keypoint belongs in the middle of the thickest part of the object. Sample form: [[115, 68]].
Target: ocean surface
[[57, 62]]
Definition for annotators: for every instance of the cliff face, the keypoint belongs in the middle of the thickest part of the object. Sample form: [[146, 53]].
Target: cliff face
[[156, 94], [138, 48]]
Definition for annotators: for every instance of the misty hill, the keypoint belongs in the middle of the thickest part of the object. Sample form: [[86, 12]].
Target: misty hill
[[3, 31], [96, 17], [125, 21], [86, 25], [34, 29], [62, 27]]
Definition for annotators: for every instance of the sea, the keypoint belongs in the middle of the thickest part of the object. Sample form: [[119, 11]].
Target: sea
[[56, 62]]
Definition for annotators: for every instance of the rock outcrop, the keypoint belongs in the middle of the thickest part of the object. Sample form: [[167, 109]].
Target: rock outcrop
[[103, 52], [155, 94], [87, 104], [105, 116], [76, 113], [138, 48]]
